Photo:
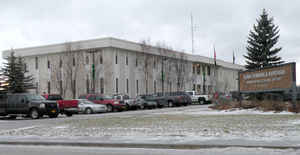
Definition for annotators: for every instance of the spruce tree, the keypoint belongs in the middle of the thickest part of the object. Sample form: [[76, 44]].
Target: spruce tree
[[261, 51], [14, 76]]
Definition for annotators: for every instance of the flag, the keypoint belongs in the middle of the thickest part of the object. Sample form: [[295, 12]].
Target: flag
[[215, 57], [233, 58]]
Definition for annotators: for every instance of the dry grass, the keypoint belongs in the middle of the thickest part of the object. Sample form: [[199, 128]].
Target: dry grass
[[264, 105]]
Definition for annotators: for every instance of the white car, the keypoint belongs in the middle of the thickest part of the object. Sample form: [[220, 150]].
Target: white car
[[87, 107]]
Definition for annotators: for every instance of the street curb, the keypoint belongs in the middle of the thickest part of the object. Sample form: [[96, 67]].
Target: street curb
[[141, 145]]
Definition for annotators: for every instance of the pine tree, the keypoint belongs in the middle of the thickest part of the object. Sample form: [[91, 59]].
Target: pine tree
[[261, 51], [14, 76]]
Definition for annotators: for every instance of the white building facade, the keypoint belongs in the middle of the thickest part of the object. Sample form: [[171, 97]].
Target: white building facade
[[110, 66]]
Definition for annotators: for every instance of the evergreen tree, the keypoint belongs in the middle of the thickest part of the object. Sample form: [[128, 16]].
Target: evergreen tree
[[14, 76], [261, 51]]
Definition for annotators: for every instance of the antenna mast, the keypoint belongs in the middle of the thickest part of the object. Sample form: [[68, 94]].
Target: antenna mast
[[192, 31]]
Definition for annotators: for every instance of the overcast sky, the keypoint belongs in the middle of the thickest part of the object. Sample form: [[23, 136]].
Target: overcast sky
[[224, 24]]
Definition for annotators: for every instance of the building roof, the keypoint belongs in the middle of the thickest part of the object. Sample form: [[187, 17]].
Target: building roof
[[116, 43]]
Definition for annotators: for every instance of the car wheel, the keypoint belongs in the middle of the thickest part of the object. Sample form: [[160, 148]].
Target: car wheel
[[69, 114], [12, 117], [53, 115], [88, 111], [142, 107], [110, 108], [34, 114], [170, 104]]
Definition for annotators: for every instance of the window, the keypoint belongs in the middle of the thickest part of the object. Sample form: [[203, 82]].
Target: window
[[74, 90], [36, 63], [25, 67], [204, 90], [137, 87], [117, 88], [154, 64], [126, 60], [49, 88], [48, 64], [203, 70], [208, 70], [170, 86], [116, 59], [127, 86], [194, 87], [73, 61], [87, 85], [60, 63], [60, 87], [87, 61], [154, 86], [198, 69], [101, 58], [37, 88], [198, 88], [101, 86], [136, 62]]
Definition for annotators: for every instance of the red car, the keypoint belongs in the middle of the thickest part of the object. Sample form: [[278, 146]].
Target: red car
[[112, 104], [68, 107]]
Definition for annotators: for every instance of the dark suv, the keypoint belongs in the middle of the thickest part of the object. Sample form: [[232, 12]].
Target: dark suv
[[176, 98], [26, 104]]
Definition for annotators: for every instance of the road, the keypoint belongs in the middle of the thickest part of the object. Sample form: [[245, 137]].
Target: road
[[53, 150]]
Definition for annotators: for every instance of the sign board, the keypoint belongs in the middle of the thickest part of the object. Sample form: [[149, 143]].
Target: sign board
[[277, 78]]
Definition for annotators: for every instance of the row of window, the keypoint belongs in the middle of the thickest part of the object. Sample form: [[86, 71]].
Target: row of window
[[101, 86], [87, 62], [197, 68], [61, 62]]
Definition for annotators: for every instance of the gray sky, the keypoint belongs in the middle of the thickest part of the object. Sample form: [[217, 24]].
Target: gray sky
[[223, 23]]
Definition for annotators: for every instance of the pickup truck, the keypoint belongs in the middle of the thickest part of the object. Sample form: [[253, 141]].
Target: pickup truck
[[201, 99], [67, 107], [111, 104], [176, 98], [25, 104], [129, 102]]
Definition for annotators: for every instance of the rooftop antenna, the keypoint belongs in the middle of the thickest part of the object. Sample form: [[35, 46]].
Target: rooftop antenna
[[192, 32]]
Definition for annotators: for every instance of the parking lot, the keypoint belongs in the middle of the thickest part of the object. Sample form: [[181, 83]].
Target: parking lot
[[191, 124]]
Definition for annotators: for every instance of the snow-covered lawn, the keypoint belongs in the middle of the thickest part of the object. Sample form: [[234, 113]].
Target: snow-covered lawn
[[177, 124]]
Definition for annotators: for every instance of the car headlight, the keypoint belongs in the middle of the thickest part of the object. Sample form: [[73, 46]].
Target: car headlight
[[42, 105]]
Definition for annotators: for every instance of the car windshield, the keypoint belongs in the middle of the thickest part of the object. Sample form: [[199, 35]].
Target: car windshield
[[190, 93], [35, 97], [106, 97], [87, 102], [82, 97], [54, 97]]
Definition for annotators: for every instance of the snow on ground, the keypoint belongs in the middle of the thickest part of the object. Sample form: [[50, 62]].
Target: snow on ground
[[174, 125]]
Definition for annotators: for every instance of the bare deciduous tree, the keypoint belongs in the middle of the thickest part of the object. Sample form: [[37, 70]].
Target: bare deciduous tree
[[67, 70], [146, 61]]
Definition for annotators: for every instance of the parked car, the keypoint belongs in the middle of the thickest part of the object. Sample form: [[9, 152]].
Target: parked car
[[129, 102], [67, 107], [160, 100], [88, 107], [146, 102], [111, 104], [26, 104], [176, 98], [198, 98]]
